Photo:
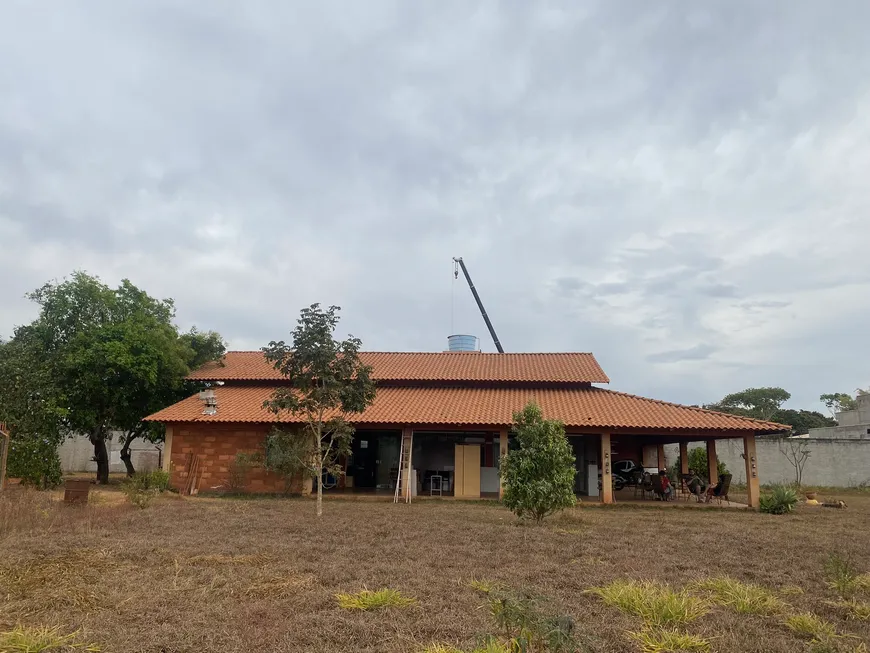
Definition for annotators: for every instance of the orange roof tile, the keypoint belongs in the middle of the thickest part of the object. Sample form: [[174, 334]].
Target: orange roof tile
[[576, 407], [440, 366]]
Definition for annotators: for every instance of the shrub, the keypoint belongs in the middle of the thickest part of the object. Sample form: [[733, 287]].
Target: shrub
[[24, 639], [779, 500], [35, 461], [369, 600], [539, 476], [744, 598], [658, 605], [143, 487], [240, 470], [665, 641]]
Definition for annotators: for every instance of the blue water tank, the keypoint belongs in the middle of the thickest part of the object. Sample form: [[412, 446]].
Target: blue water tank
[[461, 342]]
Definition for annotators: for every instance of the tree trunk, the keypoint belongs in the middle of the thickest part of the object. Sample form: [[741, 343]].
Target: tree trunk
[[320, 496], [125, 452], [101, 456]]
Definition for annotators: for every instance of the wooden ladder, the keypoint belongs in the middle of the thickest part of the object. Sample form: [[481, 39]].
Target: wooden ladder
[[403, 482]]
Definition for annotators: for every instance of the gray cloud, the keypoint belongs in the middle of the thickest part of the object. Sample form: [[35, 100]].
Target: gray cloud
[[696, 353], [630, 179]]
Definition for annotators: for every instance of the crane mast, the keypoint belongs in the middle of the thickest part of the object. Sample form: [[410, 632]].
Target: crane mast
[[459, 263]]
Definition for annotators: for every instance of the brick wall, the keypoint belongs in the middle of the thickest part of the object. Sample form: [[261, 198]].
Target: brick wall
[[217, 446]]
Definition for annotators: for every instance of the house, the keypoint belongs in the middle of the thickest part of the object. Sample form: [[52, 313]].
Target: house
[[454, 410]]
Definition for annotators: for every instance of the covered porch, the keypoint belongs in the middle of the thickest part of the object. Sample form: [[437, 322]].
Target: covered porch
[[648, 451]]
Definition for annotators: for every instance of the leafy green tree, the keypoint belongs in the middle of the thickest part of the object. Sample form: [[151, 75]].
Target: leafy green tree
[[837, 402], [539, 475], [33, 410], [194, 349], [760, 403], [326, 384], [109, 357], [801, 421]]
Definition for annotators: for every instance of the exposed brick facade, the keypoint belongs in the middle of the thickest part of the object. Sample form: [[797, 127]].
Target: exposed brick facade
[[217, 446]]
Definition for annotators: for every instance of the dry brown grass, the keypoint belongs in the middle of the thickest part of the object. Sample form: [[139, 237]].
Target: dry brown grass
[[260, 575]]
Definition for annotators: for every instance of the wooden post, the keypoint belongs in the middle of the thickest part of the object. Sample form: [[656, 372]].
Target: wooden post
[[606, 473], [752, 489], [712, 462], [167, 450], [684, 458], [660, 449], [502, 451], [5, 442]]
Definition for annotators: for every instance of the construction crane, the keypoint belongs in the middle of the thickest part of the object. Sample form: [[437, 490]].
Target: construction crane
[[458, 263]]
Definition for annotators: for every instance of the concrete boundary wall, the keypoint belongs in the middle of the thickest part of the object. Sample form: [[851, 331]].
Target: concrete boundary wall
[[832, 463]]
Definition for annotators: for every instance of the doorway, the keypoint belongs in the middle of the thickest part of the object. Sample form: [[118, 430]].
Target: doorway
[[364, 463]]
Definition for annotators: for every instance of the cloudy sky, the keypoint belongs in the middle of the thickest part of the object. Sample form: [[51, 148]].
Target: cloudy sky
[[681, 188]]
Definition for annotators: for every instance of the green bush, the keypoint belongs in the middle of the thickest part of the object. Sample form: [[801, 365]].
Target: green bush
[[539, 475], [779, 500], [35, 461], [143, 487], [698, 463]]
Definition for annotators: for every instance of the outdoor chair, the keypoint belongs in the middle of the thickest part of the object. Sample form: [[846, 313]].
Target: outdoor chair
[[644, 486], [683, 490], [724, 486]]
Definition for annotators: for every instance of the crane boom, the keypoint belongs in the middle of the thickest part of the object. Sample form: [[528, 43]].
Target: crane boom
[[489, 326]]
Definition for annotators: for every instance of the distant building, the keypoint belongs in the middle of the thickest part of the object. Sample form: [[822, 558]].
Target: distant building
[[851, 424]]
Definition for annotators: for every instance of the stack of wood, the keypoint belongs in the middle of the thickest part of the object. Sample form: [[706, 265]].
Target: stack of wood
[[192, 473]]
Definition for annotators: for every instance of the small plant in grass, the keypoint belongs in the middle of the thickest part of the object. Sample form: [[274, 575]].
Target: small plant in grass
[[658, 605], [843, 577], [25, 639], [668, 641], [744, 598], [779, 500], [811, 626], [484, 586], [539, 475], [526, 626], [374, 600]]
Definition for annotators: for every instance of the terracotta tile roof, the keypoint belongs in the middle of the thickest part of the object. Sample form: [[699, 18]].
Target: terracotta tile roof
[[576, 407], [440, 366]]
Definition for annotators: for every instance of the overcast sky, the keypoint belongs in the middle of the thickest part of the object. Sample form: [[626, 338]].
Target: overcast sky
[[680, 188]]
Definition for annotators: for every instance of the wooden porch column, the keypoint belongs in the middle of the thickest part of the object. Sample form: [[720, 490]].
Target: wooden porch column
[[752, 489], [606, 473], [684, 458], [712, 462], [502, 451], [660, 449], [167, 451]]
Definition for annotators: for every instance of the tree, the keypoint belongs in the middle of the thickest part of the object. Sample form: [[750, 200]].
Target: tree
[[33, 411], [698, 464], [326, 384], [797, 452], [837, 402], [760, 403], [539, 475], [801, 421], [196, 348], [109, 356]]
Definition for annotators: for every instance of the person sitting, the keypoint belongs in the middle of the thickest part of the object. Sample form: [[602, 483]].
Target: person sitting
[[715, 490], [667, 488], [695, 484]]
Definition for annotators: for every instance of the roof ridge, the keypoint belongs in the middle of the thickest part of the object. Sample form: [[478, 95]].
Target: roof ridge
[[706, 411]]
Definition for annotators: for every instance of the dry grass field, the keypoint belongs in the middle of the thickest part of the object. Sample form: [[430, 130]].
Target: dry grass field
[[220, 574]]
